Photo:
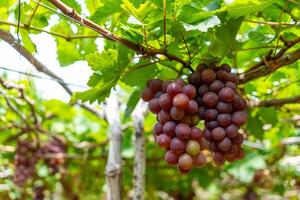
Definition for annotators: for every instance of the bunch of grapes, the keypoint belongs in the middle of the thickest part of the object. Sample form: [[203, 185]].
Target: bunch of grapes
[[39, 193], [177, 115], [222, 109], [211, 96], [25, 161], [53, 154]]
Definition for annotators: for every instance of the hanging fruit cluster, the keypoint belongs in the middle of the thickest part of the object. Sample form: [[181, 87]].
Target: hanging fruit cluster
[[28, 155], [211, 96]]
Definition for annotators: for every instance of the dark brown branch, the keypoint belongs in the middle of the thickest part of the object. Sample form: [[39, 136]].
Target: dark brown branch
[[140, 49], [277, 102], [266, 67], [7, 37]]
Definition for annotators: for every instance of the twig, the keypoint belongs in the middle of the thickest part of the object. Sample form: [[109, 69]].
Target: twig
[[254, 48], [165, 22], [33, 13], [271, 23]]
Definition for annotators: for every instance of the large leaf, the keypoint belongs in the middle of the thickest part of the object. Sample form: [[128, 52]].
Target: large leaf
[[108, 71], [225, 38]]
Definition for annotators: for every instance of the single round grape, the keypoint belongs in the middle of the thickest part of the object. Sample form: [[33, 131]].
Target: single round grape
[[163, 140], [177, 145], [185, 161], [218, 133], [199, 160], [158, 129], [165, 101], [176, 113], [154, 106], [207, 134], [154, 85], [183, 171], [204, 144], [216, 86], [196, 133], [239, 118], [224, 119], [183, 131], [208, 76], [187, 119], [181, 101], [169, 128], [194, 119], [211, 124], [196, 78], [238, 139], [236, 102], [230, 85], [210, 99], [171, 158], [210, 114], [222, 75], [192, 147], [203, 89], [223, 107], [226, 67], [173, 89], [180, 81], [201, 112], [232, 131], [240, 154], [232, 151], [219, 158], [192, 107], [163, 116], [233, 78], [213, 147], [147, 94], [243, 105], [201, 67], [226, 94], [165, 85], [189, 90], [225, 144]]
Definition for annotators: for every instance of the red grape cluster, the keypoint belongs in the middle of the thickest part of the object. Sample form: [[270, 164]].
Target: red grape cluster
[[210, 96], [25, 161], [27, 156], [222, 110], [53, 154], [177, 115], [39, 193]]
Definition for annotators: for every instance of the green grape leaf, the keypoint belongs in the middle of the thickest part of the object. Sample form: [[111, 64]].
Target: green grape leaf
[[225, 38], [27, 42], [132, 102]]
